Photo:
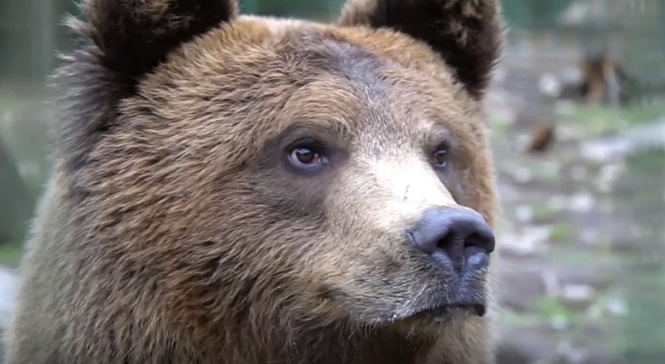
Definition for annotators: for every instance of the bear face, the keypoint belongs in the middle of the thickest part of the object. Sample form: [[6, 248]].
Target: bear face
[[264, 189]]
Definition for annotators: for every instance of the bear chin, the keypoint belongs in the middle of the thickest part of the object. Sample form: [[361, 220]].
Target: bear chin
[[434, 321]]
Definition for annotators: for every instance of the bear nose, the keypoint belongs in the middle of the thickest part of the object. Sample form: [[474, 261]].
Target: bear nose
[[457, 233]]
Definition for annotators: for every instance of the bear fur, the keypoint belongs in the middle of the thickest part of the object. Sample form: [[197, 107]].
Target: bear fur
[[174, 229]]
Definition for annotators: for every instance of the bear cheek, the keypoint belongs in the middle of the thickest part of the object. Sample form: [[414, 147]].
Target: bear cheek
[[374, 271]]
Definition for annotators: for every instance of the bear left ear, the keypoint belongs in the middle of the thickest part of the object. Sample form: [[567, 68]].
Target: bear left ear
[[133, 36], [467, 34]]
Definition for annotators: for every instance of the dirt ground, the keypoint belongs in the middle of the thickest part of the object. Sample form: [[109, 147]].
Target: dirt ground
[[582, 235]]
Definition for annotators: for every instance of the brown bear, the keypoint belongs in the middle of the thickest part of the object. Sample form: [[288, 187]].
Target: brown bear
[[242, 189]]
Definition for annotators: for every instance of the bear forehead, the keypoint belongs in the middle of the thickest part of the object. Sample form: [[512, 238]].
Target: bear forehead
[[314, 72]]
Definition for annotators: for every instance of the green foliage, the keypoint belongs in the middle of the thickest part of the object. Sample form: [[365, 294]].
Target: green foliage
[[292, 8], [543, 212], [633, 114], [532, 13], [563, 233], [10, 254], [551, 307], [650, 162], [15, 199]]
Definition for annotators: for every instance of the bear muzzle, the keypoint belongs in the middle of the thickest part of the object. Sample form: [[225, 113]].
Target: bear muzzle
[[458, 242]]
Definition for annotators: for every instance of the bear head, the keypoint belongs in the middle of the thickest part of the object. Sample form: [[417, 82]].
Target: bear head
[[282, 176]]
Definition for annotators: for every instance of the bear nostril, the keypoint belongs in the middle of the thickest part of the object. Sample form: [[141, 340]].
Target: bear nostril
[[463, 235]]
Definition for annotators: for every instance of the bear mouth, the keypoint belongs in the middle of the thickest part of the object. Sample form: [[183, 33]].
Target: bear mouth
[[446, 312], [475, 309]]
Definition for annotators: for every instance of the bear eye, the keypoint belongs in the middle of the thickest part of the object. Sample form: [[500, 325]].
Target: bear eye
[[304, 155], [440, 158], [307, 156]]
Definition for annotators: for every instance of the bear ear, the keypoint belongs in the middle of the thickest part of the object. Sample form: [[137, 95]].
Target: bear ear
[[135, 35], [467, 34]]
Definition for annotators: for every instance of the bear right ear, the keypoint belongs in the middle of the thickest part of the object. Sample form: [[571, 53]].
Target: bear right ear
[[134, 36], [468, 34]]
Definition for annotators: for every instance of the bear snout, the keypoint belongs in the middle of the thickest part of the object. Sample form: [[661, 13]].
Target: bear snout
[[454, 239]]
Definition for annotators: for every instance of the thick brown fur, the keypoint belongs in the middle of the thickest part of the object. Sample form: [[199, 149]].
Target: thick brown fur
[[173, 229]]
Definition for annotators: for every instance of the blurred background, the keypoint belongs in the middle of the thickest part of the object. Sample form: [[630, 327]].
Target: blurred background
[[578, 127]]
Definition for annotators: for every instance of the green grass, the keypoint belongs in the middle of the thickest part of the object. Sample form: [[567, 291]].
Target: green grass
[[522, 319], [551, 307], [641, 201], [599, 121], [563, 233], [578, 257], [543, 212], [10, 254], [634, 114], [499, 127], [641, 114], [647, 163]]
